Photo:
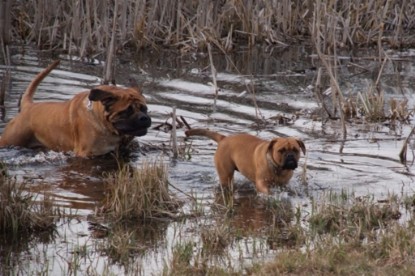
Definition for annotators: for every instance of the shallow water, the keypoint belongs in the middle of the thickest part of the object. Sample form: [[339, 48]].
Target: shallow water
[[366, 163]]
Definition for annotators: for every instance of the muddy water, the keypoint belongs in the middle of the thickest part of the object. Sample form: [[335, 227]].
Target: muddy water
[[262, 92]]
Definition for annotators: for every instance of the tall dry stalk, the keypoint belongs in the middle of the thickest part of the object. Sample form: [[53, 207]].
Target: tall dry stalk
[[404, 149], [174, 134], [109, 66], [5, 21]]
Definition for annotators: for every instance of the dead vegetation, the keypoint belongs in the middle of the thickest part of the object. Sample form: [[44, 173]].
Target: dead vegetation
[[86, 28]]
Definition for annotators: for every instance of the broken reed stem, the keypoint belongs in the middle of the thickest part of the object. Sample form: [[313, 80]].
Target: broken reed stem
[[174, 134], [381, 53], [402, 153], [319, 95], [214, 72]]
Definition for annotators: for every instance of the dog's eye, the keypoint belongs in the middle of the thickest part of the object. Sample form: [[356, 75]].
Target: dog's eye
[[129, 111], [143, 109]]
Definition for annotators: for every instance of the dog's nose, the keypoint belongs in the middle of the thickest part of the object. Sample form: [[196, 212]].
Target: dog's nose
[[145, 119], [290, 162]]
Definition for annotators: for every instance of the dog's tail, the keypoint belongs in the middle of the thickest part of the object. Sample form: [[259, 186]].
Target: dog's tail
[[30, 90], [205, 132]]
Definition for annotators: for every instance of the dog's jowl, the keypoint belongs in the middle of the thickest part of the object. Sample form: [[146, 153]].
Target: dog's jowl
[[92, 123], [266, 163]]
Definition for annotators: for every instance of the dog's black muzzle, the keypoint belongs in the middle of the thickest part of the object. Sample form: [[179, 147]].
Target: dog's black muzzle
[[290, 162], [135, 125]]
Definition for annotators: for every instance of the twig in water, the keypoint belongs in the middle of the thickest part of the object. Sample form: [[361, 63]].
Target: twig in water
[[185, 122]]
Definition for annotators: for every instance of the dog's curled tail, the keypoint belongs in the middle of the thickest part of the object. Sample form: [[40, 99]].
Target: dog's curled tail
[[30, 90], [205, 132]]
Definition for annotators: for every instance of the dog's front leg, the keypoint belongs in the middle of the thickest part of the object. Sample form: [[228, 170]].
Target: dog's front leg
[[262, 186]]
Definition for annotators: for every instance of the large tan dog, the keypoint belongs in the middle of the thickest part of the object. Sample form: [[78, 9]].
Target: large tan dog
[[91, 123], [266, 163]]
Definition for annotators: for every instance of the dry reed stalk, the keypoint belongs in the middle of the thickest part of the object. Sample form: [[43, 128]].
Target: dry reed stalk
[[403, 152], [382, 55], [109, 66], [174, 134], [319, 94], [5, 82], [214, 72], [5, 22]]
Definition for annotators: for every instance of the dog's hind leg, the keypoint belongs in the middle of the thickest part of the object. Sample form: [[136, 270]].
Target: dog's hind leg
[[225, 173]]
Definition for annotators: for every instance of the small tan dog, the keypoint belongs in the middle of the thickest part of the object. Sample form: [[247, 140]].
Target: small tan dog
[[266, 163], [93, 122]]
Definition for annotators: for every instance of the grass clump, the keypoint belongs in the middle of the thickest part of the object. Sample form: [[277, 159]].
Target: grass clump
[[373, 104], [352, 217], [184, 262], [350, 235], [139, 193], [121, 246], [20, 213], [215, 239]]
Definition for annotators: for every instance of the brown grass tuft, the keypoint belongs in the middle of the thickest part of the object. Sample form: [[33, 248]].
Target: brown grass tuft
[[20, 212], [139, 193]]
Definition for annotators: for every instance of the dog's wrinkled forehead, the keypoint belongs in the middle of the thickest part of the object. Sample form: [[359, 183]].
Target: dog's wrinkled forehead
[[129, 96], [117, 98], [289, 144]]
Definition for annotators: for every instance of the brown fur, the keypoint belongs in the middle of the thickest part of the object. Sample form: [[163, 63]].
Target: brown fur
[[91, 123], [266, 163]]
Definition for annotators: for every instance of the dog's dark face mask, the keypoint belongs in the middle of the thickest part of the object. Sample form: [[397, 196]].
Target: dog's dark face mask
[[290, 161], [133, 121], [126, 112], [284, 154]]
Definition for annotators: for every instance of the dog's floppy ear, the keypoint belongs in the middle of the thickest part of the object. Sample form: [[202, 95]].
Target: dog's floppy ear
[[271, 144], [301, 144], [105, 97]]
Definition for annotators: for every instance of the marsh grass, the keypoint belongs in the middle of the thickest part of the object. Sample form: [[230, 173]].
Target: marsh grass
[[284, 231], [391, 253], [350, 235], [121, 246], [352, 217], [215, 239], [139, 193], [184, 261], [21, 213]]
